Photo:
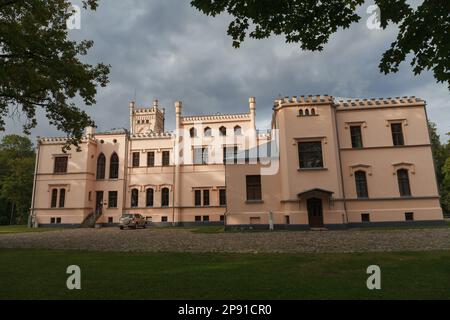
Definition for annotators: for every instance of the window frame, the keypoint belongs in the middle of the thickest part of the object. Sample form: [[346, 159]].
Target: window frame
[[165, 158], [356, 139], [253, 188], [362, 189], [114, 165], [134, 198], [303, 160], [136, 159], [58, 167], [398, 137], [404, 183]]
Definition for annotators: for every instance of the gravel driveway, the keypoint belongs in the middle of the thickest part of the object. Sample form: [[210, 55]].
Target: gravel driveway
[[181, 240]]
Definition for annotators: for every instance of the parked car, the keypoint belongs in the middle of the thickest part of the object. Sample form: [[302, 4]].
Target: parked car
[[132, 220]]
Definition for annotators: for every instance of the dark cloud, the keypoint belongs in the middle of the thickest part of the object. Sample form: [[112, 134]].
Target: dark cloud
[[166, 50]]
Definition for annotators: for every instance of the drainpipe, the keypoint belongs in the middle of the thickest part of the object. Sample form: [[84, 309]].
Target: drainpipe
[[125, 172], [32, 222], [340, 165]]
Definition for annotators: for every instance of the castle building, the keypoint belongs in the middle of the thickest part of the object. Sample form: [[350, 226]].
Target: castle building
[[325, 163]]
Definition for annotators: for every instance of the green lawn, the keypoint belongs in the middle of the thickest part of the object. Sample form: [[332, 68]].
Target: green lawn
[[40, 274], [23, 229]]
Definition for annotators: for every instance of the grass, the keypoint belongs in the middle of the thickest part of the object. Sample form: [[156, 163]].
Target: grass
[[41, 274], [23, 229]]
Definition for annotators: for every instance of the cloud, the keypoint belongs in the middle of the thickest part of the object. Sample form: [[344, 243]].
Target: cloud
[[166, 50]]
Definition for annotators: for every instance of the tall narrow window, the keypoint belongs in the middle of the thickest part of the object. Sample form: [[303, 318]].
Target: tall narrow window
[[208, 132], [54, 198], [62, 198], [150, 197], [223, 131], [222, 197], [151, 159], [397, 134], [403, 183], [193, 132], [230, 155], [237, 131], [134, 198], [114, 167], [310, 155], [200, 155], [166, 158], [206, 198], [60, 165], [198, 198], [136, 159], [112, 199], [101, 166], [356, 135], [361, 184], [165, 197], [254, 188]]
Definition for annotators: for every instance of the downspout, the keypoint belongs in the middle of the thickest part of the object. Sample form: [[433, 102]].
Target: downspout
[[32, 217], [125, 172], [340, 165], [173, 183]]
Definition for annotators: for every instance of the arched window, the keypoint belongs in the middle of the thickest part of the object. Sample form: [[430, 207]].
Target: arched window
[[149, 197], [223, 131], [54, 200], [134, 198], [62, 198], [101, 165], [361, 184], [313, 112], [208, 132], [403, 183], [114, 167], [237, 131], [193, 132], [164, 197], [301, 113], [306, 112]]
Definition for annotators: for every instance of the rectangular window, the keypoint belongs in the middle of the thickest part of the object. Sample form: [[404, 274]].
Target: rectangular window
[[200, 155], [222, 218], [136, 159], [365, 217], [230, 155], [361, 184], [397, 134], [110, 220], [205, 218], [310, 155], [52, 220], [61, 164], [222, 197], [253, 188], [151, 159], [198, 198], [58, 220], [255, 220], [198, 218], [62, 198], [164, 219], [54, 199], [287, 220], [206, 198], [356, 135], [409, 216], [112, 199], [166, 158]]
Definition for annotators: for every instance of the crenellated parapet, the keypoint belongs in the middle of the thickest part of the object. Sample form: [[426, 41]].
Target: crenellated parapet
[[216, 118], [152, 135], [378, 102]]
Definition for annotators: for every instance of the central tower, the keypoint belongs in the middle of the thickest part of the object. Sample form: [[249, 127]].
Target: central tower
[[146, 120]]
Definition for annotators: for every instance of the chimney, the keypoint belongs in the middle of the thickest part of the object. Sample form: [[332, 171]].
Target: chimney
[[252, 103]]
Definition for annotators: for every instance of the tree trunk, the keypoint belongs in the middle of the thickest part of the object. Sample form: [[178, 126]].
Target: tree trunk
[[12, 214]]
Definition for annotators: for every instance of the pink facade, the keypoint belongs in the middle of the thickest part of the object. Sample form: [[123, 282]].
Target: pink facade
[[331, 164]]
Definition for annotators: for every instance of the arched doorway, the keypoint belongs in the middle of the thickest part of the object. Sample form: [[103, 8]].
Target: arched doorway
[[315, 212]]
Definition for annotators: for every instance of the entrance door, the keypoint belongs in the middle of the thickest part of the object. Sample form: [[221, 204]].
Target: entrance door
[[99, 202], [315, 213]]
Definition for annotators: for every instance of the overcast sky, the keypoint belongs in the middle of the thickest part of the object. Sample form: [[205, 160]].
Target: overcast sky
[[166, 50]]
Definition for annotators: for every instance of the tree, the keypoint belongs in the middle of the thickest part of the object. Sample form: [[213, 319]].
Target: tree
[[445, 185], [423, 32], [16, 178], [41, 68]]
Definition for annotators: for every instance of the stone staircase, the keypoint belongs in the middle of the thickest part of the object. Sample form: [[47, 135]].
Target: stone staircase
[[90, 220]]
